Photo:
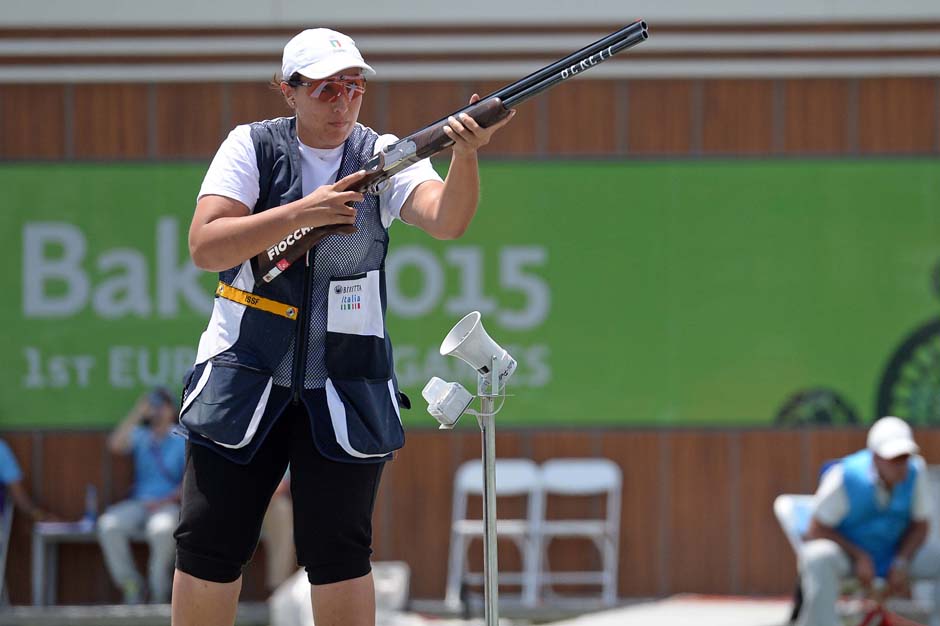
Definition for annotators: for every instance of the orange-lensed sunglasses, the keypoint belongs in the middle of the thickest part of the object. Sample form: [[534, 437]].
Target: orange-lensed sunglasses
[[330, 89]]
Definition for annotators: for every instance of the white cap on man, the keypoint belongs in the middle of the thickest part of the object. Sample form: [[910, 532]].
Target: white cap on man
[[891, 437], [319, 53]]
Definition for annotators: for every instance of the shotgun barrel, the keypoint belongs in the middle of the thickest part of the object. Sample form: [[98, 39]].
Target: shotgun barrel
[[431, 139], [548, 75]]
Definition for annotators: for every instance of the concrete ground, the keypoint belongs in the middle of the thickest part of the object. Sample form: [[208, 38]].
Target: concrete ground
[[674, 611], [679, 610]]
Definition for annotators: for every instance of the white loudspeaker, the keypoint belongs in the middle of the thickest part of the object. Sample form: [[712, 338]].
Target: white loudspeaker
[[446, 401], [469, 342]]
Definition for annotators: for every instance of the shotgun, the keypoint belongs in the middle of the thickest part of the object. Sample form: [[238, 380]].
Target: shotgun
[[431, 140]]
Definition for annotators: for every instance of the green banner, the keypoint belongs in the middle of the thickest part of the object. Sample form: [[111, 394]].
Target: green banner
[[708, 293]]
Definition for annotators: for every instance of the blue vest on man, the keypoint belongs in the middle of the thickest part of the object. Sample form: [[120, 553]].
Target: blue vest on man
[[336, 355], [875, 528]]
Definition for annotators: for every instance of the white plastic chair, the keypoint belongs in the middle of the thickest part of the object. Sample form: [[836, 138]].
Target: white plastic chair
[[583, 477], [933, 479], [924, 589], [514, 477], [793, 512], [6, 523]]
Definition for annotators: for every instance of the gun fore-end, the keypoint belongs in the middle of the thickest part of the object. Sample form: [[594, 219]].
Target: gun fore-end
[[431, 140]]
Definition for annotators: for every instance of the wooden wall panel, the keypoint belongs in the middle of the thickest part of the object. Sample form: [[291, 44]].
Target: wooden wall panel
[[699, 512], [929, 441], [416, 497], [71, 460], [82, 576], [251, 102], [373, 110], [770, 464], [827, 444], [582, 118], [32, 122], [737, 117], [639, 456], [111, 121], [121, 479], [897, 115], [660, 117], [815, 116], [411, 106], [707, 117], [696, 516], [188, 120], [564, 444], [520, 136]]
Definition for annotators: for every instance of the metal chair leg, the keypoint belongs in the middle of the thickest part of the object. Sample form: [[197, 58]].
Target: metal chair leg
[[797, 601], [455, 572]]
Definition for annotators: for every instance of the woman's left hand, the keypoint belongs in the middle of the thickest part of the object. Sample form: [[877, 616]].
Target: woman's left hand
[[469, 136]]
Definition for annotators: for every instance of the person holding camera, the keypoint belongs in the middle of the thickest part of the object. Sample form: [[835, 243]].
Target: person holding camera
[[153, 506]]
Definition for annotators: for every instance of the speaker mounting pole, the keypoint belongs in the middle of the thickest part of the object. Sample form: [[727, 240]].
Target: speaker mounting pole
[[487, 423]]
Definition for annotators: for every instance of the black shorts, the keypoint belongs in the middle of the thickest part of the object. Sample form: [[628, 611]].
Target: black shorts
[[223, 505]]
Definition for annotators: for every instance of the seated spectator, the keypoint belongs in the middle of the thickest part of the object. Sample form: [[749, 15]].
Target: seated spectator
[[869, 519], [277, 534], [11, 482], [153, 507]]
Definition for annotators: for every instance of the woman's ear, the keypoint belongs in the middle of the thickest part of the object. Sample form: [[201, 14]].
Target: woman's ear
[[288, 94]]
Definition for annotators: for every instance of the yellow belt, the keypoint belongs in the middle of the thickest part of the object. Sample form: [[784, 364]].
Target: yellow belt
[[256, 302]]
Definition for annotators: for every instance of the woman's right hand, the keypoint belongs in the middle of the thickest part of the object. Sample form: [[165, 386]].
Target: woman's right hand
[[328, 205], [224, 232]]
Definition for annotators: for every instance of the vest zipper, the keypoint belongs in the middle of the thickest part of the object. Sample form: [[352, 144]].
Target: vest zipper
[[300, 339]]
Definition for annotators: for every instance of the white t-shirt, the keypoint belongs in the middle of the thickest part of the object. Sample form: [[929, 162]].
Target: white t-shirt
[[831, 502], [233, 172]]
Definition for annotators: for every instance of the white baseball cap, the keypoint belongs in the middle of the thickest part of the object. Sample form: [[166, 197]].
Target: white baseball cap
[[890, 437], [319, 53]]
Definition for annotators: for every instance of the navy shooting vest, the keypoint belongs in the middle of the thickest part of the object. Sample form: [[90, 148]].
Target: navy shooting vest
[[335, 357]]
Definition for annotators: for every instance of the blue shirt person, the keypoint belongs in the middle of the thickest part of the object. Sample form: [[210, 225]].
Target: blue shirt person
[[152, 510], [158, 464], [11, 486]]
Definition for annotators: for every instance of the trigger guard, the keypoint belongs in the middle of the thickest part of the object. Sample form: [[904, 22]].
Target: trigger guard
[[377, 188]]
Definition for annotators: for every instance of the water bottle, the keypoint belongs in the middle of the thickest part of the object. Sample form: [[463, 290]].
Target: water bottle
[[91, 504]]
